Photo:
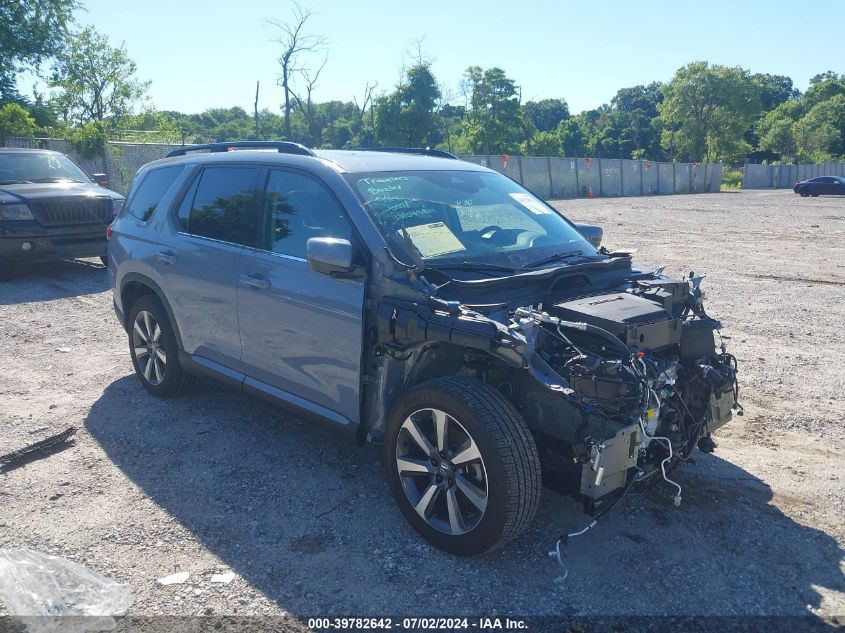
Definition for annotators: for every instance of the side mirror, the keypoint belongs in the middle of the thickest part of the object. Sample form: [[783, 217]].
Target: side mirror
[[591, 233], [101, 179], [329, 255]]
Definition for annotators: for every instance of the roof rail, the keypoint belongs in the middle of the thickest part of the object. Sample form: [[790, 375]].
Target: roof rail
[[283, 147], [439, 153]]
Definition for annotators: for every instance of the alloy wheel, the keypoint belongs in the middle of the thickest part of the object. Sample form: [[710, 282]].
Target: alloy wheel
[[150, 354], [442, 471]]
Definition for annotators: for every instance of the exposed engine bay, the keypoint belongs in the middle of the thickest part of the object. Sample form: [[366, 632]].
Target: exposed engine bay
[[644, 360], [617, 372]]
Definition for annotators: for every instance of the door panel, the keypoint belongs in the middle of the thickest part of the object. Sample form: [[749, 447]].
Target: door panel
[[201, 285], [199, 258], [301, 331]]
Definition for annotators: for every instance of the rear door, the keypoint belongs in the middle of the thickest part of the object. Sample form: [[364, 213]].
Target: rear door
[[217, 220], [301, 331]]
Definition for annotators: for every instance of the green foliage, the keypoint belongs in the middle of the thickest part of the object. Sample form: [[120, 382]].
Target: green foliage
[[808, 128], [493, 124], [30, 32], [15, 121], [404, 117], [731, 179], [545, 115], [90, 139], [706, 111], [95, 82], [543, 144]]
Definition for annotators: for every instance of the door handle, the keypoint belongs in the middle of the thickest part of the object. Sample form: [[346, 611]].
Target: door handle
[[255, 281], [167, 257]]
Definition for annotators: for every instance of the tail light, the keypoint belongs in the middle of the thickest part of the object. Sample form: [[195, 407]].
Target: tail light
[[108, 232]]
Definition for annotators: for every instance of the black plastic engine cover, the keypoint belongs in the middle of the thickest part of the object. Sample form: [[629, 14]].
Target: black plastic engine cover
[[638, 322], [615, 312]]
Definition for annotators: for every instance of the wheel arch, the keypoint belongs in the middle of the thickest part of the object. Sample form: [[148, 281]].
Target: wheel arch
[[427, 361], [133, 287]]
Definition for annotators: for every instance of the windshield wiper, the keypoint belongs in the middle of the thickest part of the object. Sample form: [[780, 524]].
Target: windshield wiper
[[15, 182], [554, 258], [56, 179], [480, 266]]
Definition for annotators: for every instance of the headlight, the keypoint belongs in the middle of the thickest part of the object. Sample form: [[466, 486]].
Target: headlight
[[15, 212], [116, 206]]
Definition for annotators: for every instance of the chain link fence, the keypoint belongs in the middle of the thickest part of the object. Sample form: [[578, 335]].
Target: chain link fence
[[549, 177], [785, 176]]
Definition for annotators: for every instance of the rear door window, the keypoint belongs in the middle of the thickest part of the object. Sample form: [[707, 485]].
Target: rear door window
[[221, 205], [151, 189]]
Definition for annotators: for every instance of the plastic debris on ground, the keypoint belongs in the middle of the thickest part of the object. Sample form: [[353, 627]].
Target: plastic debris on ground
[[178, 578], [49, 593], [226, 578]]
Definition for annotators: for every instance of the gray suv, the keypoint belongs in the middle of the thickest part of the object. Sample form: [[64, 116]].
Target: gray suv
[[433, 305]]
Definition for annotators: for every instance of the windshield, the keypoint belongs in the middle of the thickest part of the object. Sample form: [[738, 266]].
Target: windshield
[[462, 217], [38, 167]]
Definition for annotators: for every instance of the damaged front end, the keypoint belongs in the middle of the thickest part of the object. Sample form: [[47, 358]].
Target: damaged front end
[[628, 382], [617, 372]]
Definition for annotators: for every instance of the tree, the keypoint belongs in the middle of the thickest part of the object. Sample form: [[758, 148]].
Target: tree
[[543, 144], [96, 83], [639, 98], [774, 90], [494, 122], [706, 110], [15, 121], [30, 32], [294, 42], [546, 114], [405, 116], [820, 134]]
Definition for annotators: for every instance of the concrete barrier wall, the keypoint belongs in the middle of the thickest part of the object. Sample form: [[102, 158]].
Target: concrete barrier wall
[[785, 176], [549, 177]]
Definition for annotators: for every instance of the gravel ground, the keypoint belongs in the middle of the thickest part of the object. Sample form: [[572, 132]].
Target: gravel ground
[[215, 481]]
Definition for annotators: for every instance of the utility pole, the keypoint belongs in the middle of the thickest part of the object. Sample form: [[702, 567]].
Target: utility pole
[[256, 111]]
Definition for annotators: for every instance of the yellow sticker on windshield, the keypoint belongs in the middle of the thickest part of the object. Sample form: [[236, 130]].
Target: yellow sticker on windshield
[[531, 203], [434, 239]]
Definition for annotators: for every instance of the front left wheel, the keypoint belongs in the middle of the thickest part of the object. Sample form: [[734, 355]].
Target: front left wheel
[[462, 465]]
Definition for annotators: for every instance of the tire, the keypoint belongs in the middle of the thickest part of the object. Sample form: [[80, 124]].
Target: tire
[[480, 421], [815, 195], [7, 270], [165, 377]]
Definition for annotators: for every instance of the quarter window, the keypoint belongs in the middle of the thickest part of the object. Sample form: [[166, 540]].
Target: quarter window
[[151, 189], [298, 207], [221, 205]]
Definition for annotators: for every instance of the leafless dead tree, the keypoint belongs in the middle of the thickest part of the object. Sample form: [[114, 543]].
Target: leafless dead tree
[[294, 41], [307, 106]]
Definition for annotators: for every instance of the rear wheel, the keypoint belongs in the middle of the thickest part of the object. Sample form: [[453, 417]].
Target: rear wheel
[[462, 465], [815, 195], [152, 344]]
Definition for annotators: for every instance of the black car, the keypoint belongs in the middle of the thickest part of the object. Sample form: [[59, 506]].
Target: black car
[[50, 209], [821, 186]]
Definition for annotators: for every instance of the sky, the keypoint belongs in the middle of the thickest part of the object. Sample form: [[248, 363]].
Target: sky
[[200, 54]]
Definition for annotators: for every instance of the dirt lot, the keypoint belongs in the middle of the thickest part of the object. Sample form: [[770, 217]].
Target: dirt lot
[[215, 481]]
